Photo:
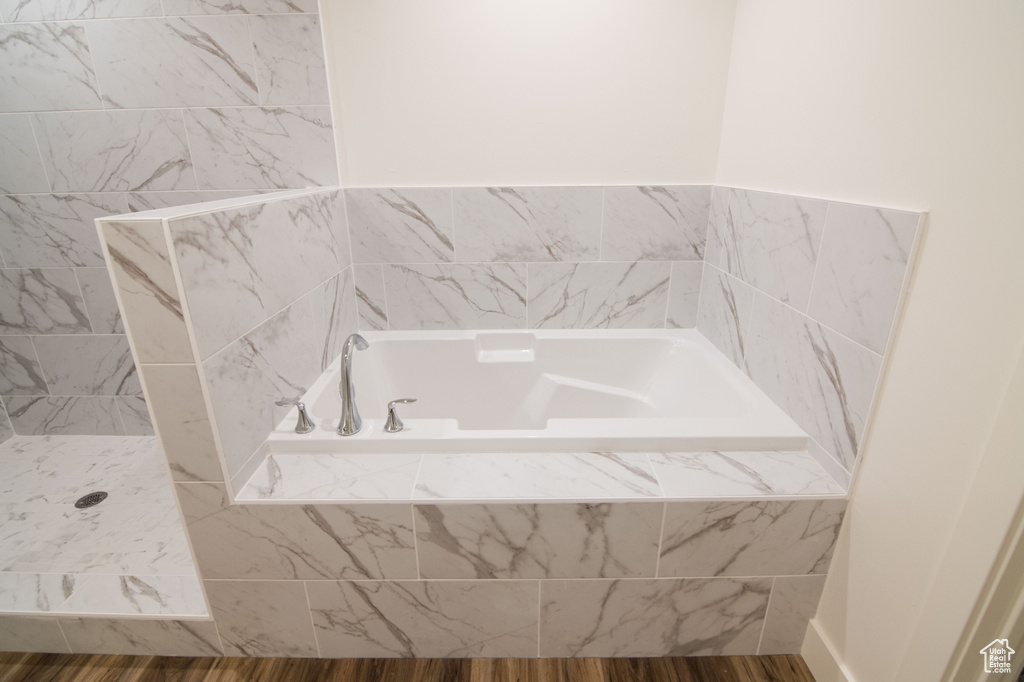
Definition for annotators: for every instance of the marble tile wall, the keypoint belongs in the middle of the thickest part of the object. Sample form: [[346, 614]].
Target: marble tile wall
[[802, 294], [111, 106], [528, 257]]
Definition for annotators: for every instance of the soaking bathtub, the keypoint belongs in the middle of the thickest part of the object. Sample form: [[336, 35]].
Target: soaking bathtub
[[543, 390]]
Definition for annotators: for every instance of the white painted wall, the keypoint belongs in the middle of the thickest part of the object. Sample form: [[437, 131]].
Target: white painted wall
[[527, 92], [914, 104]]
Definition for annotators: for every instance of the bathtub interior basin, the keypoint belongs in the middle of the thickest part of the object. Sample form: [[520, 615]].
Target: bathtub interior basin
[[570, 390]]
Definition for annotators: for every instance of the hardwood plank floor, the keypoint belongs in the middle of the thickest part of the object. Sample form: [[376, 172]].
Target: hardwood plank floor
[[17, 667]]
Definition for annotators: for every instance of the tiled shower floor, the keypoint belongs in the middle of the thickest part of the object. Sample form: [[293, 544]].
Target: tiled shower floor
[[126, 556]]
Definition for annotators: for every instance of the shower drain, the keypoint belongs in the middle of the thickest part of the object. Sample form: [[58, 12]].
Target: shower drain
[[90, 500]]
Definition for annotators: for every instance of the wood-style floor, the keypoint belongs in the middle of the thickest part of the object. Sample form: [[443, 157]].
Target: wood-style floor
[[86, 668]]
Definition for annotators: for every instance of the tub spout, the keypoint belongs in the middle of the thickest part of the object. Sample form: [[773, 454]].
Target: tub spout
[[350, 422]]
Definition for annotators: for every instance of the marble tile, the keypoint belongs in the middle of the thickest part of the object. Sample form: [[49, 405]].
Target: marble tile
[[194, 62], [342, 240], [140, 637], [724, 313], [703, 539], [47, 301], [297, 542], [370, 298], [51, 230], [262, 618], [830, 464], [46, 67], [417, 619], [6, 429], [219, 275], [20, 373], [175, 7], [527, 223], [115, 151], [22, 170], [655, 223], [145, 201], [330, 477], [794, 602], [179, 595], [411, 225], [98, 294], [537, 475], [293, 247], [180, 413], [42, 415], [443, 296], [88, 365], [863, 262], [262, 148], [713, 248], [25, 633], [617, 618], [38, 592], [684, 295], [822, 380], [741, 474], [598, 295], [135, 416], [289, 59], [63, 10], [538, 540], [279, 360], [771, 242], [141, 268], [334, 315]]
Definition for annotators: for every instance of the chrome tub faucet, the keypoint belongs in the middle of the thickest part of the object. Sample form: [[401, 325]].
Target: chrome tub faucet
[[350, 422]]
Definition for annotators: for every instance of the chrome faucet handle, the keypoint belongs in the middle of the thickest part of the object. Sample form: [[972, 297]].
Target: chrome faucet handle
[[305, 424], [394, 424]]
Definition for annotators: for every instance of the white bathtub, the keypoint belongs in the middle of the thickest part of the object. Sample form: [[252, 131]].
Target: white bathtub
[[530, 391]]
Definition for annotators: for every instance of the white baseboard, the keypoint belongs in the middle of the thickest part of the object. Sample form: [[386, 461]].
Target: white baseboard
[[821, 658]]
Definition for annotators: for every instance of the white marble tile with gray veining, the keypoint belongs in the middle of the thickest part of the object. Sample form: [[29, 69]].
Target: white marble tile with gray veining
[[830, 464], [6, 429], [741, 474], [20, 373], [822, 380], [186, 7], [668, 222], [716, 222], [335, 317], [328, 477], [864, 257], [794, 602], [22, 169], [46, 67], [713, 538], [258, 618], [53, 230], [684, 295], [515, 224], [598, 295], [538, 540], [141, 268], [100, 302], [278, 360], [262, 148], [297, 542], [418, 619], [289, 59], [80, 415], [34, 592], [88, 365], [42, 301], [370, 298], [401, 225], [141, 637], [179, 595], [27, 633], [194, 62], [64, 10], [135, 415], [619, 618], [339, 211], [539, 476], [450, 296], [771, 242], [145, 201], [115, 151], [724, 313]]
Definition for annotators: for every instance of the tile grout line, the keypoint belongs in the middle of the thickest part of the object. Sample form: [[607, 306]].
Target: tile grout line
[[39, 150], [661, 539], [63, 635], [188, 148], [309, 610], [540, 587], [767, 609]]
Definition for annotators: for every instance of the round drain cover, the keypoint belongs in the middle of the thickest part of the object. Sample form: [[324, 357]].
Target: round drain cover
[[90, 500]]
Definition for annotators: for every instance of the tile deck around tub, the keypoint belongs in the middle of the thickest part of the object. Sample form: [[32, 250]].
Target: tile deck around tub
[[538, 477], [127, 556]]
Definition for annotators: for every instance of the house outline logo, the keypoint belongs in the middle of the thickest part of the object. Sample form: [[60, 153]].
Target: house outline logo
[[997, 655]]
